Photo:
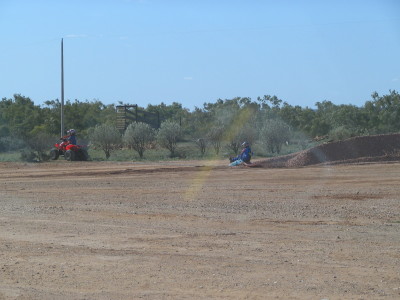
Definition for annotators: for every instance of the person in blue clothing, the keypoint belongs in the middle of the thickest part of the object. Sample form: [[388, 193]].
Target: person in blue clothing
[[245, 155], [71, 136]]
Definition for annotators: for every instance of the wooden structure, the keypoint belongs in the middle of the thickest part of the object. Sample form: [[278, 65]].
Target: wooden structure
[[127, 114]]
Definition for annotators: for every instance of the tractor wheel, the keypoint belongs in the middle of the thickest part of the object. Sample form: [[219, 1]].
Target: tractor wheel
[[69, 155], [54, 154], [84, 155]]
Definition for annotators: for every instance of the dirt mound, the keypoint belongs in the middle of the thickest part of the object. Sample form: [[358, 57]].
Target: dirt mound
[[358, 149]]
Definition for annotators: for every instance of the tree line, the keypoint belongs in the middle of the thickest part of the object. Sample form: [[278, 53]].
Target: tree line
[[267, 120]]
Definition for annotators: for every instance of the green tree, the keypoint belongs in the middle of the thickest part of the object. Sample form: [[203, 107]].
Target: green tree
[[168, 136], [215, 136], [383, 112], [11, 143], [274, 134], [291, 115], [18, 116], [106, 137], [198, 123], [173, 112], [78, 115], [340, 133], [306, 118], [247, 133], [201, 144], [39, 143], [139, 136]]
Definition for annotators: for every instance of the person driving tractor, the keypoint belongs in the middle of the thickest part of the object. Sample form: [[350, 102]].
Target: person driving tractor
[[71, 137], [69, 149]]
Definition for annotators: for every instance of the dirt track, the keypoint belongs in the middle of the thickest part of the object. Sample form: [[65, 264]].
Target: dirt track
[[180, 231]]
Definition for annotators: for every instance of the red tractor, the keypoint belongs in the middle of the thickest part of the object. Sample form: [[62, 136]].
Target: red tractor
[[69, 151]]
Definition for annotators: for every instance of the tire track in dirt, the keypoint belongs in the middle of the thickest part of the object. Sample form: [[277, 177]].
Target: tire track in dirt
[[93, 173]]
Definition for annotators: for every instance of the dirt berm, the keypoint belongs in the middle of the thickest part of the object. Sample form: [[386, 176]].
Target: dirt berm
[[374, 148]]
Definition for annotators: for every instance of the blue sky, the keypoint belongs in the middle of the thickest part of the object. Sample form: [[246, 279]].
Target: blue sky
[[192, 52]]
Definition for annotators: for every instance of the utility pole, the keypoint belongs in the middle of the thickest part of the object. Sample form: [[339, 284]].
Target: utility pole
[[62, 88]]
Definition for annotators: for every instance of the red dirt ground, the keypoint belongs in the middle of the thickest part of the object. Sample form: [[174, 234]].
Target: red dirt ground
[[199, 230]]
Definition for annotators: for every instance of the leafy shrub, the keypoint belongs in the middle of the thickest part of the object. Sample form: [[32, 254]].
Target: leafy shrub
[[28, 155], [201, 144], [39, 144], [140, 137], [274, 134], [340, 133], [236, 137], [10, 143], [105, 137], [168, 136], [215, 136]]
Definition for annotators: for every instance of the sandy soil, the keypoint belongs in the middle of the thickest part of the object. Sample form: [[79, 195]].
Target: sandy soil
[[192, 230]]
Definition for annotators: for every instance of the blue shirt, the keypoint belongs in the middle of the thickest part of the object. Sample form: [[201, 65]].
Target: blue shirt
[[246, 153], [72, 139]]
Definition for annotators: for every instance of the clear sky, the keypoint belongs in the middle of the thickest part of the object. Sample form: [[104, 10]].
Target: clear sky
[[192, 52]]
